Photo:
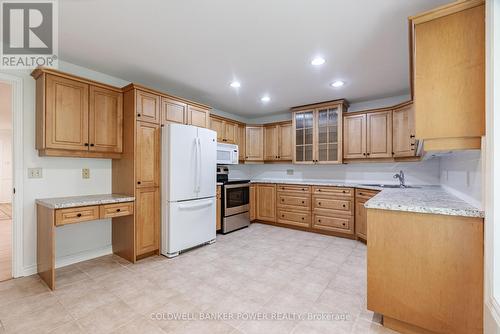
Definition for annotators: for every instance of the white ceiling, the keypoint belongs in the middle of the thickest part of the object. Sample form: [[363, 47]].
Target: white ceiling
[[195, 48]]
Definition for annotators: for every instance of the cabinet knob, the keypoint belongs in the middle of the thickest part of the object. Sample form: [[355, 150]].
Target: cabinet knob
[[92, 145], [412, 144], [364, 154], [138, 115], [344, 191], [412, 136], [343, 205], [282, 216], [343, 224], [302, 218], [367, 153], [282, 199], [319, 220], [118, 210], [86, 144], [319, 203], [79, 215], [138, 182], [302, 202], [319, 190]]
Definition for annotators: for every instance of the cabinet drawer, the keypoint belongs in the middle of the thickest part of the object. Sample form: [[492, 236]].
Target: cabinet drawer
[[294, 218], [336, 224], [363, 193], [294, 188], [338, 204], [333, 191], [116, 210], [295, 200], [76, 215]]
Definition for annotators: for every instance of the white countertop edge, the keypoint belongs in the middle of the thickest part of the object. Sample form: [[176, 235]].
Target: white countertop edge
[[86, 200]]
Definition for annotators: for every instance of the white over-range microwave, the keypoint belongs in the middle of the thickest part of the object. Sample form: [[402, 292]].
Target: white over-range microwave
[[227, 154]]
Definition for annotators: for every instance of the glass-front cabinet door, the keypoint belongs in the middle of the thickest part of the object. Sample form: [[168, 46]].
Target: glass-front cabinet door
[[304, 136], [328, 135]]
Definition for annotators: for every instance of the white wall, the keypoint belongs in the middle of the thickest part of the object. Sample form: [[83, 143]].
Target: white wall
[[5, 166], [461, 174], [424, 172], [62, 177]]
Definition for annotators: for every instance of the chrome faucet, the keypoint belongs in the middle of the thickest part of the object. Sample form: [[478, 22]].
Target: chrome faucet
[[401, 177]]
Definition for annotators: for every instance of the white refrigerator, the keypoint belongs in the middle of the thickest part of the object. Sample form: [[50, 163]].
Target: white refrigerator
[[188, 200]]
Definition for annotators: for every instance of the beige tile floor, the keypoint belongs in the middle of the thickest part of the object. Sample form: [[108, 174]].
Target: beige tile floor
[[262, 270]]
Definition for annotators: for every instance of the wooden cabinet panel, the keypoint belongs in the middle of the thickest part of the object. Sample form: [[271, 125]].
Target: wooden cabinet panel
[[253, 202], [295, 218], [147, 107], [147, 220], [218, 126], [342, 206], [266, 202], [218, 218], [403, 131], [293, 201], [147, 154], [449, 75], [198, 116], [360, 212], [105, 120], [116, 210], [254, 143], [240, 141], [230, 130], [67, 114], [303, 138], [285, 142], [173, 111], [379, 134], [289, 188], [342, 224], [355, 136], [333, 191], [271, 143], [329, 135], [76, 215]]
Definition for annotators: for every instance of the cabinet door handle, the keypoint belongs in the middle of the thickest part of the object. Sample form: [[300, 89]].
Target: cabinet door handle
[[282, 199], [319, 190], [367, 153], [118, 210], [412, 136], [319, 203], [302, 218], [79, 215], [282, 216], [344, 191], [319, 220]]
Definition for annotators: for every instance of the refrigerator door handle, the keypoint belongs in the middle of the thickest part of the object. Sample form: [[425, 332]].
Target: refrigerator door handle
[[199, 165], [196, 206], [196, 172]]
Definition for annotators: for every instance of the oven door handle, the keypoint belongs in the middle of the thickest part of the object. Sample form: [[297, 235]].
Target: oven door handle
[[237, 185]]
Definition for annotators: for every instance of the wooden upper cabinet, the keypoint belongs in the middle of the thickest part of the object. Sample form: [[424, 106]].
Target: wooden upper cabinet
[[147, 220], [147, 107], [355, 136], [403, 131], [198, 116], [67, 114], [217, 125], [285, 141], [303, 124], [329, 134], [227, 131], [448, 58], [254, 143], [379, 134], [240, 141], [106, 120], [147, 159], [271, 142], [173, 111], [230, 132]]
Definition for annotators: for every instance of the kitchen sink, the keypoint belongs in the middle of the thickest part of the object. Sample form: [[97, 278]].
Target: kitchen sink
[[389, 186]]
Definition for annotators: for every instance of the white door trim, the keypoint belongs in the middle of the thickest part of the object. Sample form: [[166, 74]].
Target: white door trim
[[17, 171]]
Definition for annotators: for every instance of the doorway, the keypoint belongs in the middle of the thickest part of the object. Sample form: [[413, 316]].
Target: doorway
[[6, 180]]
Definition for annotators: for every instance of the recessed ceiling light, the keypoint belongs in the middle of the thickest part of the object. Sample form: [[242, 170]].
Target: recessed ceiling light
[[318, 61], [337, 83], [265, 98], [235, 84]]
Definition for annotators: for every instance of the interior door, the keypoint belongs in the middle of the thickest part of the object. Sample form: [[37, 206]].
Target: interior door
[[208, 162], [106, 120], [180, 147], [67, 112]]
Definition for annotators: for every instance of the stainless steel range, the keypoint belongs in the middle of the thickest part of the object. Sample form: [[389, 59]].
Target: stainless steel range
[[235, 201]]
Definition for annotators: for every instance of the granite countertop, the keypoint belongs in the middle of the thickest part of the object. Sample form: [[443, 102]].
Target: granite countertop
[[424, 199], [220, 183], [427, 199], [76, 201]]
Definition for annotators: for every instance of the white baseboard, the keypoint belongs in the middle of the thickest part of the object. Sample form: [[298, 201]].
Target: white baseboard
[[73, 258], [491, 316]]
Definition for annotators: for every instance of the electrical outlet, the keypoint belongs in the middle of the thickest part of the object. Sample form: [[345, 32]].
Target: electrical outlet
[[289, 172], [34, 173], [85, 173]]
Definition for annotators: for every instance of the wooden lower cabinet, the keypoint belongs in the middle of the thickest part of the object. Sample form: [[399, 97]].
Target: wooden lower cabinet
[[333, 209], [147, 220], [292, 217], [266, 202], [335, 223], [294, 205], [253, 202], [218, 220], [362, 195]]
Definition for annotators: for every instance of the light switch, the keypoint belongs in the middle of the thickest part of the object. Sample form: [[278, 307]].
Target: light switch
[[34, 173], [85, 173]]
